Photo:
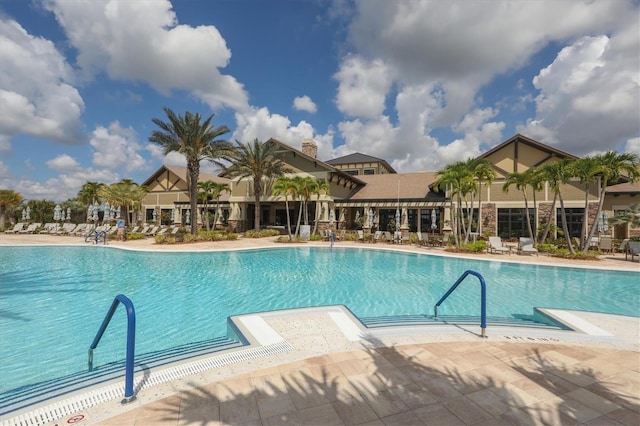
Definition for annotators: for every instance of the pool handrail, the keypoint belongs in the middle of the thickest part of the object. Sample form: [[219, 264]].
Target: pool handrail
[[131, 339], [483, 299]]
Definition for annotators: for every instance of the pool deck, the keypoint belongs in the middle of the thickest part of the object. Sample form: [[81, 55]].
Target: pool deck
[[328, 370]]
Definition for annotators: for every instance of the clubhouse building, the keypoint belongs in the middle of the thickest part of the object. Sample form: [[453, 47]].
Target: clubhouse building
[[367, 193]]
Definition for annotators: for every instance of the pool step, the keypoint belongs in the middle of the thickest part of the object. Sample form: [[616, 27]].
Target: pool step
[[39, 392], [400, 320]]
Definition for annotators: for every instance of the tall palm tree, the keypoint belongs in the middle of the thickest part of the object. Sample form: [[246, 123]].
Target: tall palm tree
[[126, 194], [216, 192], [586, 169], [286, 186], [196, 140], [256, 160], [615, 165], [558, 174], [321, 186], [89, 192], [458, 180], [8, 199], [521, 180], [482, 170], [206, 190]]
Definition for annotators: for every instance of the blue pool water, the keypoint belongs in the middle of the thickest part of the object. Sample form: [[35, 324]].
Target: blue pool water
[[53, 299]]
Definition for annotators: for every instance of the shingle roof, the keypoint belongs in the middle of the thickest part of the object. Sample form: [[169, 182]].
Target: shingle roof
[[390, 186], [624, 188]]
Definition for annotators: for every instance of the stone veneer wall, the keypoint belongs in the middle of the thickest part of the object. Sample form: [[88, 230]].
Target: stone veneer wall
[[489, 218]]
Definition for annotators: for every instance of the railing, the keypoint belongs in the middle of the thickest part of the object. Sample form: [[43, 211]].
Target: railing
[[131, 340], [483, 299], [96, 236]]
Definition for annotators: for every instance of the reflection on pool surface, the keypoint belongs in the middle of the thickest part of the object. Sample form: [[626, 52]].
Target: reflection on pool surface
[[53, 299]]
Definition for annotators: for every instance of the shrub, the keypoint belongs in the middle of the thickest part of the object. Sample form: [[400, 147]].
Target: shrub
[[136, 236], [188, 238], [314, 237], [351, 236], [160, 239], [252, 233], [477, 247]]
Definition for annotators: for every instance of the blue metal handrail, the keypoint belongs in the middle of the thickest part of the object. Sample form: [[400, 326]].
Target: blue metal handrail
[[483, 299], [96, 236], [131, 341]]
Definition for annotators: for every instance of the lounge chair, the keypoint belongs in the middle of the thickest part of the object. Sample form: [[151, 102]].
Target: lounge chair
[[16, 228], [405, 237], [376, 236], [496, 246], [360, 235], [605, 244], [633, 250], [526, 246], [30, 229], [623, 247], [152, 231]]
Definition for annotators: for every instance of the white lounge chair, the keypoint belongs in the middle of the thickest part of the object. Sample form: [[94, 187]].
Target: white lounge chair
[[30, 229], [496, 246], [16, 228], [526, 246], [361, 235]]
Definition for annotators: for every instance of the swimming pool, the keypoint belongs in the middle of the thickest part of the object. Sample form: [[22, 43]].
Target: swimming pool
[[53, 299]]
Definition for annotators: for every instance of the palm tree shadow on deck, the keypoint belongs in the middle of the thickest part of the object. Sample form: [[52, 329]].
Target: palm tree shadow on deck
[[408, 384]]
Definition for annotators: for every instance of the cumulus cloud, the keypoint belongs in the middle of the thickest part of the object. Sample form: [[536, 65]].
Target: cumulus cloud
[[590, 95], [36, 93], [63, 163], [261, 124], [116, 147], [363, 86], [142, 41], [304, 103], [439, 55]]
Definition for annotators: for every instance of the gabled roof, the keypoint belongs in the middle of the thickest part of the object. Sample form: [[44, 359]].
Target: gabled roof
[[553, 152], [624, 188], [406, 186], [181, 173], [340, 175], [358, 157]]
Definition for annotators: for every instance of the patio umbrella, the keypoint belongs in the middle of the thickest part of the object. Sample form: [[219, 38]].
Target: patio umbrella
[[118, 212], [397, 219], [371, 217], [434, 219], [357, 216], [56, 212], [332, 217], [173, 215], [187, 218], [90, 213], [24, 215], [603, 223], [28, 213], [68, 213]]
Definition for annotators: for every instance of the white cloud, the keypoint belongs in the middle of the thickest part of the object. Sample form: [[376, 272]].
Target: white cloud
[[363, 86], [261, 124], [116, 147], [304, 103], [590, 95], [36, 95], [63, 163], [632, 146], [142, 41]]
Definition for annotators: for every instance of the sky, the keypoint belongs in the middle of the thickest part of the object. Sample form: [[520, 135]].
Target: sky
[[418, 83]]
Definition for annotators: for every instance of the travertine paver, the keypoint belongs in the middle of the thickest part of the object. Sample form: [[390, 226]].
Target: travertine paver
[[391, 387]]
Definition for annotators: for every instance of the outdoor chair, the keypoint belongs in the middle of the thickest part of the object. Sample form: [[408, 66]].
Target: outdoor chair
[[405, 237], [360, 235], [16, 228], [496, 246], [526, 246], [422, 240], [605, 244], [387, 237], [633, 250], [376, 236], [30, 229]]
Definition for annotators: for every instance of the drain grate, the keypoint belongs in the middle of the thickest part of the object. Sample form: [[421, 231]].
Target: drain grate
[[68, 406]]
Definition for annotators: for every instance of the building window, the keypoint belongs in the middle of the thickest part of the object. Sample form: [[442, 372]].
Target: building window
[[351, 172], [574, 220], [512, 223], [369, 171]]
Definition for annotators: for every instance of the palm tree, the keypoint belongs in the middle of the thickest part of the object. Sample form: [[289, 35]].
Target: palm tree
[[196, 140], [614, 166], [521, 180], [631, 215], [206, 190], [286, 186], [125, 193], [482, 170], [458, 180], [587, 170], [89, 192], [256, 160], [319, 187], [216, 192], [8, 199], [558, 174]]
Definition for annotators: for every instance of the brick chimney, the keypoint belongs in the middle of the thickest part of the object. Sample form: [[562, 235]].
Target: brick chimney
[[310, 148]]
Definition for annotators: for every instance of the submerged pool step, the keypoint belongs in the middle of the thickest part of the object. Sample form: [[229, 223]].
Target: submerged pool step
[[400, 320]]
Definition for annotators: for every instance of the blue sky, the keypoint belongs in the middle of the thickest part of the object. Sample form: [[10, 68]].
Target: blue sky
[[418, 83]]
